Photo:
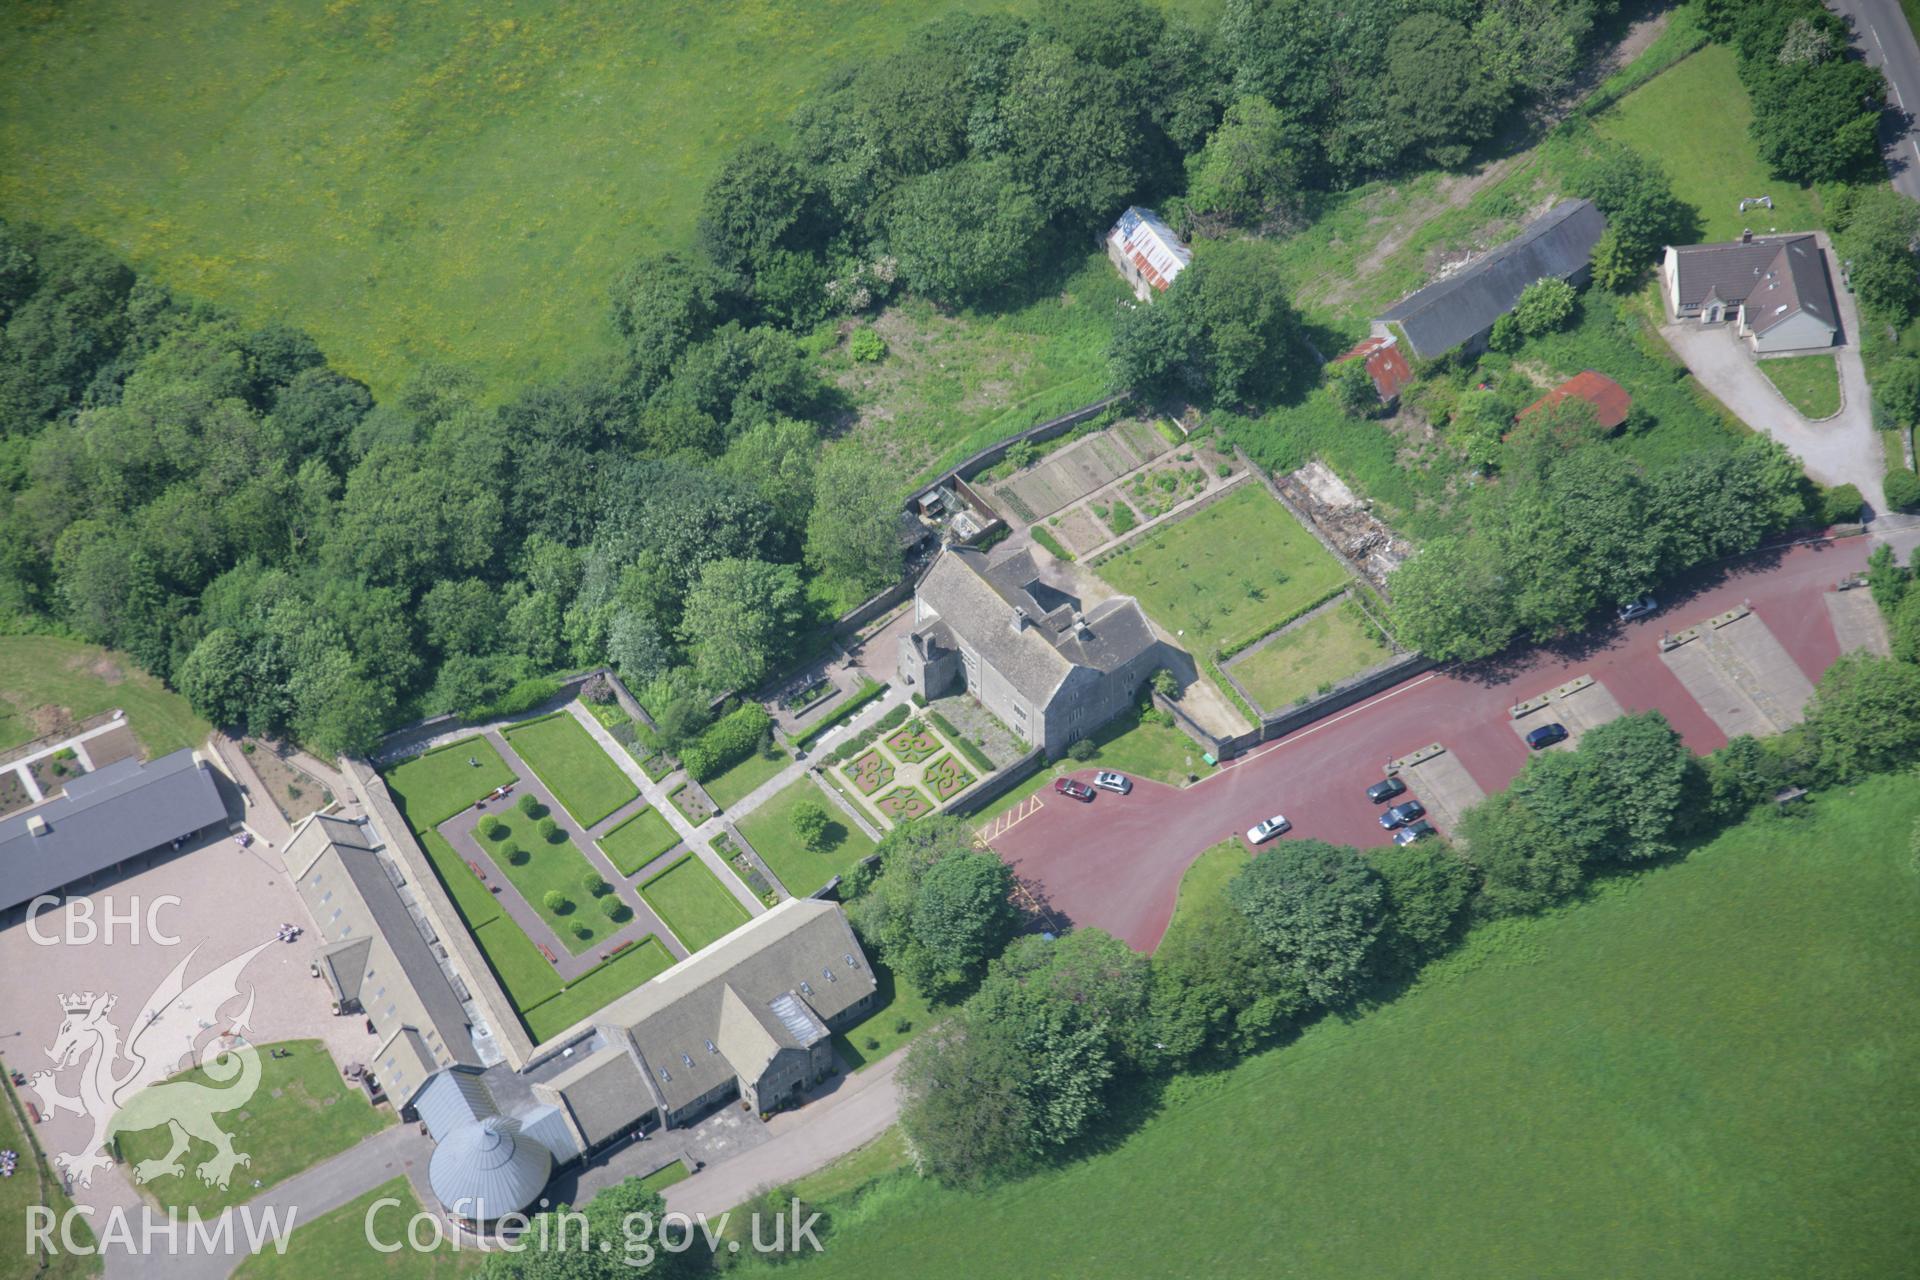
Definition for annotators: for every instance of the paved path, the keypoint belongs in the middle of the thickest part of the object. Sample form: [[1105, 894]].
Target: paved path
[[1843, 449], [263, 816], [398, 1150], [1881, 33], [1117, 863], [655, 794], [865, 1106], [459, 832]]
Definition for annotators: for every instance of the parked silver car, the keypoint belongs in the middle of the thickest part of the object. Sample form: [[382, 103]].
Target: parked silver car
[[1267, 830], [1118, 783]]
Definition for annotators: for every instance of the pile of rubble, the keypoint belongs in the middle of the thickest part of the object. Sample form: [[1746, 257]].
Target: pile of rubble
[[1345, 521]]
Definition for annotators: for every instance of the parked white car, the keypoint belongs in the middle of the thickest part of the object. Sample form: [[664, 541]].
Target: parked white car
[[1267, 830], [1118, 783]]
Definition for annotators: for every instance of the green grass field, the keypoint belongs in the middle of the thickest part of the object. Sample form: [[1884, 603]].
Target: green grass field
[[559, 866], [665, 1176], [736, 784], [1698, 1072], [902, 1013], [470, 894], [408, 184], [302, 1113], [638, 841], [769, 829], [33, 1185], [433, 787], [1693, 119], [693, 903], [1203, 888], [1811, 384], [1227, 574], [85, 680], [581, 776], [596, 988], [334, 1246], [1319, 652]]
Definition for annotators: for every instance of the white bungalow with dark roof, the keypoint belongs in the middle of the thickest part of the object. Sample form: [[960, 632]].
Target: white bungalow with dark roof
[[1023, 648], [1775, 291]]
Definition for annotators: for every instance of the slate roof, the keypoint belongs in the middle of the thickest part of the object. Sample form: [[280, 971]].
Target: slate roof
[[452, 1098], [103, 818], [353, 894], [1774, 277], [976, 602], [687, 1022], [604, 1092], [1386, 365], [1151, 246], [1464, 306], [1609, 399]]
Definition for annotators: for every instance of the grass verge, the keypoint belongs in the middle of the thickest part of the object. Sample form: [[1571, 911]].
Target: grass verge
[[334, 1246], [638, 841], [769, 829], [432, 787], [1316, 654], [1811, 384], [581, 776], [691, 901]]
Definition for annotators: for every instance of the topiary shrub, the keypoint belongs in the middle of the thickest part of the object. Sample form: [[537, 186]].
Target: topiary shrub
[[583, 931], [550, 831], [1082, 749], [493, 829], [513, 853], [614, 909], [594, 885], [556, 902], [810, 823], [529, 804], [1903, 489]]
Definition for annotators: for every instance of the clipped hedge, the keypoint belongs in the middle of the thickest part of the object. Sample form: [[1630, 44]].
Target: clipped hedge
[[866, 737], [1903, 489], [968, 748], [522, 697], [844, 712], [727, 741]]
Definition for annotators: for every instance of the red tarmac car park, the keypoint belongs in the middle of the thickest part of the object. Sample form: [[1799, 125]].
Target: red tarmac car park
[[1118, 866]]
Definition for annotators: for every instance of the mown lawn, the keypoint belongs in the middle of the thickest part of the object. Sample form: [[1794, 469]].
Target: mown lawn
[[85, 680], [1203, 888], [558, 867], [638, 841], [901, 1013], [665, 1176], [1693, 119], [31, 1186], [1228, 573], [691, 901], [769, 829], [736, 784], [302, 1113], [594, 989], [581, 776], [433, 787], [1811, 384], [1321, 651], [335, 1246], [1698, 1072]]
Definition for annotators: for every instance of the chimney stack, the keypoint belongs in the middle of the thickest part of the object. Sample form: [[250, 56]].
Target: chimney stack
[[37, 825], [1019, 619], [1746, 235]]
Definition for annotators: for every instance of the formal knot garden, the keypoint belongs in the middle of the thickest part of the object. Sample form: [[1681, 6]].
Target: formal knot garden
[[901, 771]]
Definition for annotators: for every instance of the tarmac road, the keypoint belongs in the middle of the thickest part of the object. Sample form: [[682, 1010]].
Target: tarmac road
[[1880, 30], [1117, 863]]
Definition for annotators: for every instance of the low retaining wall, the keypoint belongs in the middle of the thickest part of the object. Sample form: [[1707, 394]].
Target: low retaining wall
[[1282, 723], [967, 467], [998, 785]]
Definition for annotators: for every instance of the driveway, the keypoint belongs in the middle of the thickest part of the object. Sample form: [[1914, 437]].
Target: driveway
[[1842, 449], [1117, 863]]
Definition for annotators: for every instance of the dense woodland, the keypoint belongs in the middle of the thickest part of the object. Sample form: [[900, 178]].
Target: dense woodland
[[295, 558]]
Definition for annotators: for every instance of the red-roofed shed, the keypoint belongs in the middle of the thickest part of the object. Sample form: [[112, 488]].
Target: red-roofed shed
[[1609, 399], [1385, 365]]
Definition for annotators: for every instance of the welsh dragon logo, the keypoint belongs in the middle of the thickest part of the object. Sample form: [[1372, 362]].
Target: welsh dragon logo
[[162, 1040]]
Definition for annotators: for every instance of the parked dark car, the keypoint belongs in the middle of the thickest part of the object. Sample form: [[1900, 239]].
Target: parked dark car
[[1545, 736], [1074, 790], [1413, 831], [1385, 790], [1401, 814]]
